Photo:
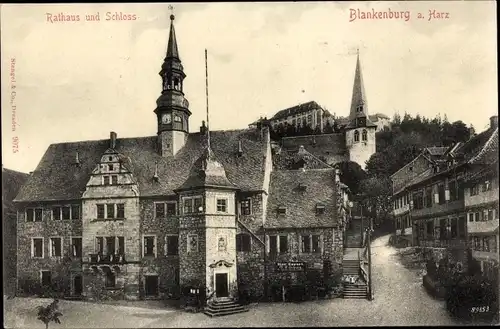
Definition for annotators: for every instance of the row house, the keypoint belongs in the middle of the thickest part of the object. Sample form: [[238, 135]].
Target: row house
[[138, 218], [481, 206], [430, 197]]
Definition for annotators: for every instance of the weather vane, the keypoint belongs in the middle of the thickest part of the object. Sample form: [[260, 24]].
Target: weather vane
[[171, 8]]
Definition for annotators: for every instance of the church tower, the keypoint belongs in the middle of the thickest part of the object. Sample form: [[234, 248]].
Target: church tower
[[360, 131], [172, 110]]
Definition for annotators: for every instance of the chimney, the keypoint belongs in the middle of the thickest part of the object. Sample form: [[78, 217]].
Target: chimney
[[77, 159], [203, 128], [155, 176], [301, 149], [112, 140], [494, 122]]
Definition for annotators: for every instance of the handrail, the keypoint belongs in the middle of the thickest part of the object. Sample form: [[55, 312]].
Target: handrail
[[254, 235]]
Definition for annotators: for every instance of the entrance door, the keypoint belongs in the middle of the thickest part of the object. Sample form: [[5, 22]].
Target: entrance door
[[221, 288], [77, 285], [151, 285]]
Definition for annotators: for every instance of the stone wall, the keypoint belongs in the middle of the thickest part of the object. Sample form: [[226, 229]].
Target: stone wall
[[28, 268]]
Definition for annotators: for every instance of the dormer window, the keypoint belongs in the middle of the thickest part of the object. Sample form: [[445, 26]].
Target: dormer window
[[320, 209], [365, 135], [177, 118], [359, 108], [114, 179], [281, 210], [105, 180], [110, 167]]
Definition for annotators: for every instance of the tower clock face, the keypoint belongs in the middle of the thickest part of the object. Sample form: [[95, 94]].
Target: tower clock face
[[166, 118]]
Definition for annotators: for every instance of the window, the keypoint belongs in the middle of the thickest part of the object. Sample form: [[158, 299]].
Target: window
[[55, 247], [66, 213], [430, 229], [359, 108], [100, 211], [283, 244], [441, 194], [76, 247], [320, 209], [110, 279], [37, 248], [110, 211], [462, 227], [99, 245], [177, 118], [110, 167], [114, 179], [273, 244], [428, 197], [193, 205], [149, 246], [172, 208], [75, 212], [453, 191], [365, 135], [105, 180], [454, 228], [121, 245], [192, 243], [246, 207], [418, 200], [471, 217], [486, 244], [356, 136], [45, 278], [281, 210], [56, 213], [159, 210], [477, 243], [172, 244], [305, 243], [221, 205], [474, 190], [442, 229], [315, 244], [243, 242], [478, 216], [120, 210], [34, 214], [110, 245], [491, 214]]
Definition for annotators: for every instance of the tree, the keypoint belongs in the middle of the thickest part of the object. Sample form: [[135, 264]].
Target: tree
[[49, 313], [351, 174], [377, 193]]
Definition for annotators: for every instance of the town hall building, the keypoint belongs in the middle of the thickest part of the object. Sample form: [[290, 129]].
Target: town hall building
[[136, 218]]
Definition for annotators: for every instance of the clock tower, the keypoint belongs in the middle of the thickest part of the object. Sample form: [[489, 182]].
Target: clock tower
[[172, 108]]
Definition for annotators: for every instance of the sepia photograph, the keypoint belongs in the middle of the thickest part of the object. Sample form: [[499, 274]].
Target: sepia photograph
[[250, 164]]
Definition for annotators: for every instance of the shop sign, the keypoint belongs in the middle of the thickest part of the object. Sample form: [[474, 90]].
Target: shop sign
[[290, 266]]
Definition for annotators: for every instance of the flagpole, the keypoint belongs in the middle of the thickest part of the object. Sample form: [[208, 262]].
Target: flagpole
[[206, 94]]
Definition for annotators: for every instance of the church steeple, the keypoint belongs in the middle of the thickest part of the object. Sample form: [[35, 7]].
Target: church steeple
[[172, 109], [359, 108]]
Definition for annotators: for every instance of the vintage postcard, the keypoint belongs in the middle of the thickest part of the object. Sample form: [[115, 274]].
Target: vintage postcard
[[250, 164]]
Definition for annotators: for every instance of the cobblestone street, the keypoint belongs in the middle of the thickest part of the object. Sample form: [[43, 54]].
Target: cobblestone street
[[399, 299]]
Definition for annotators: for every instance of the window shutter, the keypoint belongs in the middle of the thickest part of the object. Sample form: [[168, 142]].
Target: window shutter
[[436, 198], [321, 246], [266, 238]]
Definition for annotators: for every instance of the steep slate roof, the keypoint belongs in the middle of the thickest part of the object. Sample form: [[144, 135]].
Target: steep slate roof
[[12, 182], [285, 160], [489, 153], [321, 146], [474, 145], [58, 178], [301, 204], [297, 109]]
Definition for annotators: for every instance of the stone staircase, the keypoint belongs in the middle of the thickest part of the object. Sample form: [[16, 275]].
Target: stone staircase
[[355, 291], [224, 306]]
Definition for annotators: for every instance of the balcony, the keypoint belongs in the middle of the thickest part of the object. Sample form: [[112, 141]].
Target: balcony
[[437, 209], [106, 259], [485, 256], [482, 197], [487, 226]]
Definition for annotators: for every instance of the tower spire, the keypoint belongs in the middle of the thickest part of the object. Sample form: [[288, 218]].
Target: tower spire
[[358, 101], [172, 50]]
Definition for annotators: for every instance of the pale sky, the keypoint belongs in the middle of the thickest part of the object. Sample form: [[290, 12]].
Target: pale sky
[[80, 80]]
